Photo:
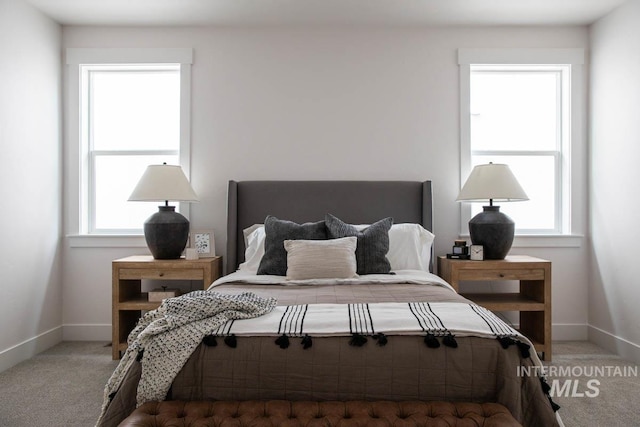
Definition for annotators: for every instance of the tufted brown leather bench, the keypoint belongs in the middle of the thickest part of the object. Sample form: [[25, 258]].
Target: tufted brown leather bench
[[315, 414]]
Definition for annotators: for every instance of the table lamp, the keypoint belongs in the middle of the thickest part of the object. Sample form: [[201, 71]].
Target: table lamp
[[491, 228], [166, 231]]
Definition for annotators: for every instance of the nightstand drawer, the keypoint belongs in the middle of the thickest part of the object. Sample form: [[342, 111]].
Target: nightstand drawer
[[524, 274], [161, 274]]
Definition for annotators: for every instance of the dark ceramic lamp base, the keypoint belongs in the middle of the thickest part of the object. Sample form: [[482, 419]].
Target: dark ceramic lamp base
[[166, 233], [493, 230]]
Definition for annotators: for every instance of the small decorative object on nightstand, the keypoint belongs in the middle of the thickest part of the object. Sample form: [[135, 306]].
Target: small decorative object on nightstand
[[191, 253], [533, 300], [476, 253], [460, 250], [128, 300], [159, 294], [204, 243]]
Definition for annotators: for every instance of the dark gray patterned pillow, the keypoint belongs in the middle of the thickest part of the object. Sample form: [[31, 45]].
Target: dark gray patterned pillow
[[373, 243], [274, 260]]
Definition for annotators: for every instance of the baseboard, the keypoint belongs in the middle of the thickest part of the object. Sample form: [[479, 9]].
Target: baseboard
[[86, 332], [624, 348], [29, 348], [566, 331]]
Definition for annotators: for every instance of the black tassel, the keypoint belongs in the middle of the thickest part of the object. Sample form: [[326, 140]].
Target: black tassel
[[431, 341], [524, 349], [381, 338], [358, 340], [210, 341], [306, 342], [139, 356], [231, 341], [450, 341], [283, 341], [505, 342], [554, 405], [546, 388]]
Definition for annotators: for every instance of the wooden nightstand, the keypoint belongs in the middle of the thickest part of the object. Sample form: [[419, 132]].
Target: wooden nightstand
[[533, 301], [128, 299]]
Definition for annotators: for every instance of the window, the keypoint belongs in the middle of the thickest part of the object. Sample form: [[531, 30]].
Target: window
[[131, 119], [132, 111], [518, 116], [523, 114]]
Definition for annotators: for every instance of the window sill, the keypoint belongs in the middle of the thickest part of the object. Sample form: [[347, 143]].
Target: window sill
[[544, 241], [106, 241]]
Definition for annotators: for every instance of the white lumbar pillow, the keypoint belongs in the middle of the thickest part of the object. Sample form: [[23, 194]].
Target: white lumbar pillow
[[321, 259]]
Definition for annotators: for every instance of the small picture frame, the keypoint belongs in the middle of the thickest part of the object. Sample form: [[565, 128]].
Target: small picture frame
[[204, 243]]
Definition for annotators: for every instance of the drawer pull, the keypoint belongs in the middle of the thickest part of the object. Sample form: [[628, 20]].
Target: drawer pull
[[501, 274], [161, 274]]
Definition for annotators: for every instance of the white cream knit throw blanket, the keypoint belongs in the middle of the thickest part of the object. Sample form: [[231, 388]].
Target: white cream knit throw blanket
[[167, 336]]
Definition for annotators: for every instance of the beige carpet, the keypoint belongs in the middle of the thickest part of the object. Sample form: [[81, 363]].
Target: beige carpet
[[616, 399], [63, 387]]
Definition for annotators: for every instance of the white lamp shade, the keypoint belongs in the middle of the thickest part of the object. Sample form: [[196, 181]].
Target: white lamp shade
[[163, 182], [492, 182]]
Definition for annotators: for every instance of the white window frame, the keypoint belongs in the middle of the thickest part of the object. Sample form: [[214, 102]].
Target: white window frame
[[567, 222], [80, 229]]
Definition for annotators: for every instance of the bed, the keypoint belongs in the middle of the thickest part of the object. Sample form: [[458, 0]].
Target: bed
[[453, 359]]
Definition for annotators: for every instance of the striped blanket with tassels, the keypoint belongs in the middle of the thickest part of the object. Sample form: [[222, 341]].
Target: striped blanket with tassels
[[437, 322]]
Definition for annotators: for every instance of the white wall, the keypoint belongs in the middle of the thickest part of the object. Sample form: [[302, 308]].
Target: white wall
[[30, 177], [614, 290], [342, 103]]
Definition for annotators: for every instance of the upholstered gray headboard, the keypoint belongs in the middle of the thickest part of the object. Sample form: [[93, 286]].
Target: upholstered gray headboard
[[355, 202]]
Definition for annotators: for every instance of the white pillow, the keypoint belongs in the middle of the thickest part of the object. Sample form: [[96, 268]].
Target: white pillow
[[254, 247], [321, 259], [409, 247]]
